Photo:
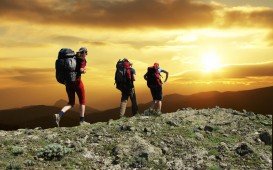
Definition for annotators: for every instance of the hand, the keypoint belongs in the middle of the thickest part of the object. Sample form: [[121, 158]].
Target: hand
[[83, 70]]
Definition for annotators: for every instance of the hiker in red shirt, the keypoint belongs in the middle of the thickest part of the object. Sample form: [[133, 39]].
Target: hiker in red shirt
[[76, 87], [154, 82]]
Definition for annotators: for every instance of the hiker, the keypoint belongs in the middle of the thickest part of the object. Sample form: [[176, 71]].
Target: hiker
[[124, 80], [153, 78], [69, 68]]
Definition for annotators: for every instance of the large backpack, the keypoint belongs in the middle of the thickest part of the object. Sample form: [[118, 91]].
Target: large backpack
[[153, 77], [65, 66], [123, 76]]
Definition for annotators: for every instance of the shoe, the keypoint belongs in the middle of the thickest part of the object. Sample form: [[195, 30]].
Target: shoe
[[83, 123], [57, 119]]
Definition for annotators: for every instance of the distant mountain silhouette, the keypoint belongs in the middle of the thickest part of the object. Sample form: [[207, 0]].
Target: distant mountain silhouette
[[257, 100], [38, 116]]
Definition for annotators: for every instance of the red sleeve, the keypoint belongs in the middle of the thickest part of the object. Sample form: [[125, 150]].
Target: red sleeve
[[83, 63]]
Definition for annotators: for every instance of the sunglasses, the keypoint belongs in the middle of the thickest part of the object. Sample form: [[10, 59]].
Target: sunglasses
[[84, 52]]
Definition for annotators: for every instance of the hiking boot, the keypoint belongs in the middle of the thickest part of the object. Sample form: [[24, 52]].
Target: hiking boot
[[138, 114], [83, 123], [57, 119]]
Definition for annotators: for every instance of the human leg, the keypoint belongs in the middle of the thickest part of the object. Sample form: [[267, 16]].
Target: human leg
[[123, 103], [134, 102]]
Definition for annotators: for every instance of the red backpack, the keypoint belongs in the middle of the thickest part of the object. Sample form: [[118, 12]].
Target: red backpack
[[123, 75]]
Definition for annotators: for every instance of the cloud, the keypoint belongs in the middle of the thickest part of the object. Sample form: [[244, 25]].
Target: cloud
[[248, 16], [21, 44], [118, 14], [229, 72], [34, 76], [135, 13], [254, 70], [66, 39], [95, 43], [269, 38]]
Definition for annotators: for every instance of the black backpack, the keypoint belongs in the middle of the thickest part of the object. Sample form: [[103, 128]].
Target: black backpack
[[123, 77], [65, 66], [153, 77]]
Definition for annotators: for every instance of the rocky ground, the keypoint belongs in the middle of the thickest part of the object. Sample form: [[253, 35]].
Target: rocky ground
[[187, 139]]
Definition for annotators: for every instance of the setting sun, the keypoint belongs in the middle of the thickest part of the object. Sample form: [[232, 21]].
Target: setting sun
[[210, 62]]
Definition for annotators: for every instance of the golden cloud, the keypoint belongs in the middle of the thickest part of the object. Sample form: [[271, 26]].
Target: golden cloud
[[135, 13], [118, 14], [32, 76], [229, 72], [248, 16]]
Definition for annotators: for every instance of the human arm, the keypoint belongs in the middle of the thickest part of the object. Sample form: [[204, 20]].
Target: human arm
[[167, 75], [133, 73], [83, 66]]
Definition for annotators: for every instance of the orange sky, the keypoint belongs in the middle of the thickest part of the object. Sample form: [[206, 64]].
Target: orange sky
[[205, 45]]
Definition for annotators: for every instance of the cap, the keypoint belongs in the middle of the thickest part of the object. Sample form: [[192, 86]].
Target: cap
[[83, 49]]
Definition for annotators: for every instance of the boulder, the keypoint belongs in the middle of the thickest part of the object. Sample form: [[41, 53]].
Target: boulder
[[266, 138]]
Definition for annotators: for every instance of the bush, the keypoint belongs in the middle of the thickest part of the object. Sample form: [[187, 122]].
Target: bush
[[53, 151], [29, 163], [13, 166], [15, 150]]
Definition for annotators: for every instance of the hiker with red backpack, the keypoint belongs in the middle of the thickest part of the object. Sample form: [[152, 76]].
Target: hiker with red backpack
[[153, 78], [124, 80], [69, 67]]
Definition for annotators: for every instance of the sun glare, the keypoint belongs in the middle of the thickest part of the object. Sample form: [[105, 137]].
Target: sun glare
[[210, 62]]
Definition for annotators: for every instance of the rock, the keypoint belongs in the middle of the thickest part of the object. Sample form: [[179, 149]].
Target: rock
[[208, 128], [266, 138], [176, 164], [223, 147], [195, 129], [233, 131], [223, 165], [243, 149], [199, 136], [165, 150], [212, 158], [146, 130], [250, 114], [125, 128], [225, 135], [173, 122]]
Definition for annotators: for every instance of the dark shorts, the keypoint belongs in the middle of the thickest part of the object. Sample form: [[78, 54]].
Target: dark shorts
[[125, 94], [73, 88], [156, 92]]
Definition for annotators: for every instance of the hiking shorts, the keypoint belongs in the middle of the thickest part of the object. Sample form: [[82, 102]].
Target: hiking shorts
[[156, 92], [125, 94], [73, 88]]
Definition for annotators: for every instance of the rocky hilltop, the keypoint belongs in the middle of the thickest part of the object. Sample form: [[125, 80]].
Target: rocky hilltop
[[214, 138]]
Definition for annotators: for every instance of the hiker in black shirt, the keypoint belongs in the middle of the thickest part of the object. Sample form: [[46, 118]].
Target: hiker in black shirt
[[124, 80]]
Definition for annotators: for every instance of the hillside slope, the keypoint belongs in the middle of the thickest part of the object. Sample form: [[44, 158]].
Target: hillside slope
[[186, 139]]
